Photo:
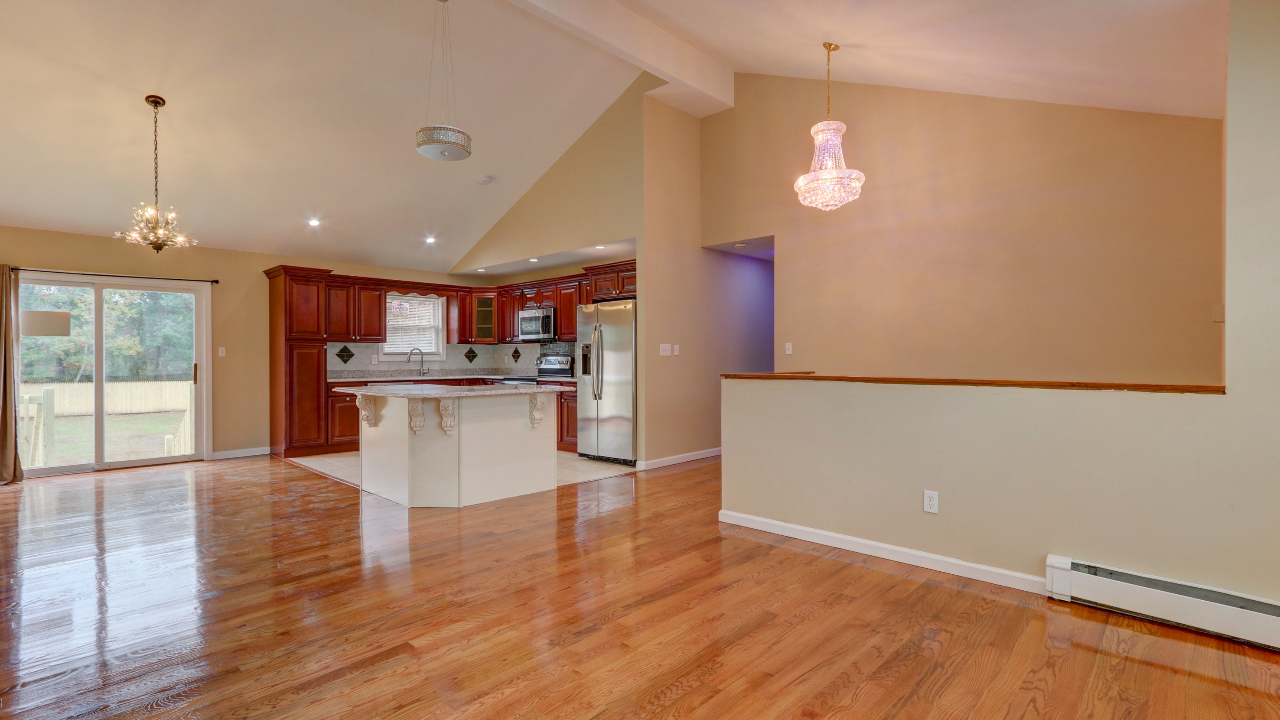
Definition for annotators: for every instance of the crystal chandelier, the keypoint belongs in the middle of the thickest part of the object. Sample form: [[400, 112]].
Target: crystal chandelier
[[828, 184], [151, 227], [443, 142]]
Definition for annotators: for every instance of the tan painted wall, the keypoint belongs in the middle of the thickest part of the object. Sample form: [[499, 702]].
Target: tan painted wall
[[718, 307], [591, 195], [1178, 486], [240, 415], [997, 239]]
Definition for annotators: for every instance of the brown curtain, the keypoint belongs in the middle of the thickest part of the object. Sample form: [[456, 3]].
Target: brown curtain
[[10, 465]]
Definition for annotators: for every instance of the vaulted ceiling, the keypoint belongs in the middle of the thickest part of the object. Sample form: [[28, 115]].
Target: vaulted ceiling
[[1161, 56], [280, 111], [283, 111]]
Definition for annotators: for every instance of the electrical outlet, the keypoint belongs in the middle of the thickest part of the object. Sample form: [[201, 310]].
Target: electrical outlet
[[675, 349], [664, 350], [222, 352], [788, 348], [930, 501], [373, 360]]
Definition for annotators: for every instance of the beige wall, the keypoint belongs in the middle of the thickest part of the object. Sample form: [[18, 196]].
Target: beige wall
[[997, 239], [240, 415], [718, 307], [591, 195], [1172, 485]]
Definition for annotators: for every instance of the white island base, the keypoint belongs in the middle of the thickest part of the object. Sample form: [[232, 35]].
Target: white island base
[[443, 446]]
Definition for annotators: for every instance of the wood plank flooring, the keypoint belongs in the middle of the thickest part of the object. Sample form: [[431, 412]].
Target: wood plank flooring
[[255, 589]]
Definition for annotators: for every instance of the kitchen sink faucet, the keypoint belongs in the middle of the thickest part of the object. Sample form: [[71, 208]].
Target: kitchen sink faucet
[[421, 358]]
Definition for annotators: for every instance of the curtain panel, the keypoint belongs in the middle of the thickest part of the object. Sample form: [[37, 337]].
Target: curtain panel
[[10, 465]]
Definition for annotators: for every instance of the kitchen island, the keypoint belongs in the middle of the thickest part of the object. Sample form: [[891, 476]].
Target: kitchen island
[[453, 446]]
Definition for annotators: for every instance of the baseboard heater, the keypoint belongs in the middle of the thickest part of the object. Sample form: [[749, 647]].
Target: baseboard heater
[[1239, 617]]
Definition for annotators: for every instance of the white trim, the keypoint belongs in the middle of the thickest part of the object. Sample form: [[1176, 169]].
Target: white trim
[[676, 459], [243, 452], [941, 563]]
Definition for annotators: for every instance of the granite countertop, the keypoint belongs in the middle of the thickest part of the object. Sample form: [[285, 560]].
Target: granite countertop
[[430, 376], [451, 391]]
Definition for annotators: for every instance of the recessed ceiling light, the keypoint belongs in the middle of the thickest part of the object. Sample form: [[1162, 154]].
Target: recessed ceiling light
[[533, 259], [314, 223], [739, 244], [480, 270], [431, 239], [599, 247]]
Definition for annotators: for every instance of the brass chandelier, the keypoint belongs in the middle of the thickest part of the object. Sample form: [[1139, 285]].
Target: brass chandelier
[[151, 227]]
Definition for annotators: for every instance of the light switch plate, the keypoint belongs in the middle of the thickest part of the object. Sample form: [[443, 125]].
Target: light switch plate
[[675, 349], [222, 352], [788, 348], [664, 350]]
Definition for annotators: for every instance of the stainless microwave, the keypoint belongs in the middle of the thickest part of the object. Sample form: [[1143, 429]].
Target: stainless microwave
[[538, 324]]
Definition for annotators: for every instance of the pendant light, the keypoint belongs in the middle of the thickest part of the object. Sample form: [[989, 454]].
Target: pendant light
[[828, 184], [151, 227], [444, 141]]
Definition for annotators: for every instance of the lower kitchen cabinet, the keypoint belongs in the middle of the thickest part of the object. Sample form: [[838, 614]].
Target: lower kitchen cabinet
[[344, 419], [567, 422], [307, 392]]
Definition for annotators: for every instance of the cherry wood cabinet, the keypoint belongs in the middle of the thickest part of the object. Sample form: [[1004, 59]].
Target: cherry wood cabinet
[[567, 296], [370, 310], [307, 392], [344, 419], [567, 422], [305, 300], [484, 318], [339, 304], [614, 281]]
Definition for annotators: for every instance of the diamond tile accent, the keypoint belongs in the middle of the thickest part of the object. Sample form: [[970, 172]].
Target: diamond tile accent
[[471, 355], [345, 354], [515, 354]]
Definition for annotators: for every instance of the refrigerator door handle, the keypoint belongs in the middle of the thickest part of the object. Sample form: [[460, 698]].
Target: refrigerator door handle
[[597, 380]]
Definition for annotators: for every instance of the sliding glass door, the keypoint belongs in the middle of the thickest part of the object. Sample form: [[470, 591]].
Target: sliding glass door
[[110, 372]]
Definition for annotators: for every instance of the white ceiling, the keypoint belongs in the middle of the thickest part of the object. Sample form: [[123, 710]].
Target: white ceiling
[[590, 255], [280, 111], [1163, 56]]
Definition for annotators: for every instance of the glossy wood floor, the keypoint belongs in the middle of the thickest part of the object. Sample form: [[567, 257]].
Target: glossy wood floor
[[255, 589]]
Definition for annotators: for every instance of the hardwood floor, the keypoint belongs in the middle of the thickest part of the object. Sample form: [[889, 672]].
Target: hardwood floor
[[255, 589]]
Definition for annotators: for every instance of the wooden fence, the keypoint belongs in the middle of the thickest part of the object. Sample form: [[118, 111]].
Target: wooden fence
[[122, 398]]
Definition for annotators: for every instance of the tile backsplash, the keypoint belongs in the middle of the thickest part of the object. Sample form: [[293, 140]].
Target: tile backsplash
[[488, 358]]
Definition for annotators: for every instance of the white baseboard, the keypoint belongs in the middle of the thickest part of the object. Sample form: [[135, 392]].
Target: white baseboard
[[243, 452], [941, 563], [676, 459]]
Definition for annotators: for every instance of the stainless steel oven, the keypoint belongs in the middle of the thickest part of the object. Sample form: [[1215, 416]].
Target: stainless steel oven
[[538, 324]]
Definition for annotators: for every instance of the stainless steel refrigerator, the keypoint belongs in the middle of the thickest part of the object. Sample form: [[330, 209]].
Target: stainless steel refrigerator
[[607, 381]]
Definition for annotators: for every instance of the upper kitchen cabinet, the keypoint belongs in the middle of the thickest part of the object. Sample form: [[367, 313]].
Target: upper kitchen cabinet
[[484, 318], [614, 281], [340, 305], [370, 310], [567, 296], [298, 302]]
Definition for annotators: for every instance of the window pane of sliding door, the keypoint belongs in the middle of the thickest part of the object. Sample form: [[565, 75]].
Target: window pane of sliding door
[[55, 394], [149, 355]]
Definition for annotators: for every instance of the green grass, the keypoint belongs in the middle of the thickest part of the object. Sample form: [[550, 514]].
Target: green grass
[[128, 437]]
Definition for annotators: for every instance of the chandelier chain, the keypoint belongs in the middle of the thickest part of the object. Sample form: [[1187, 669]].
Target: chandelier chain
[[828, 82], [155, 153]]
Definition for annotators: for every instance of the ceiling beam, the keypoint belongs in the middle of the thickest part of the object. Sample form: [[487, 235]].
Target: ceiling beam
[[696, 83]]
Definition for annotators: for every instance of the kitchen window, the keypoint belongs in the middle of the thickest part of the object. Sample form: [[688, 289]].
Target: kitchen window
[[414, 321]]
